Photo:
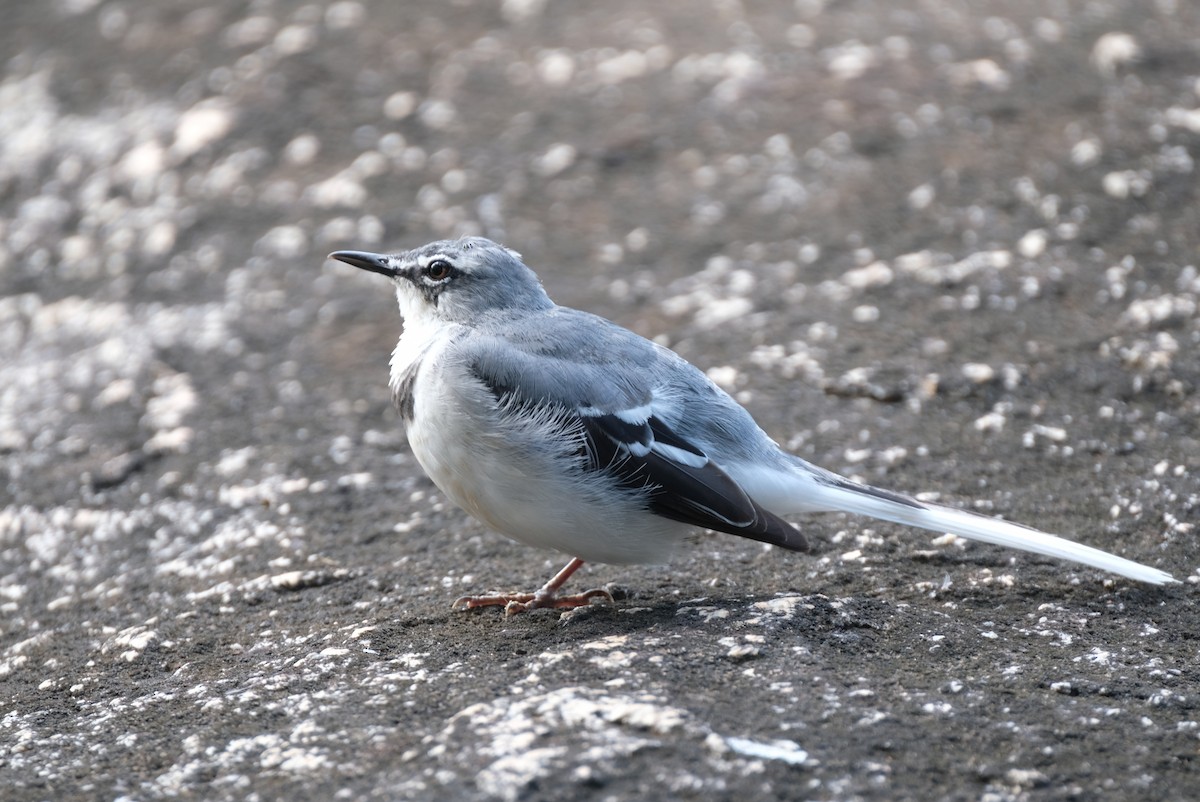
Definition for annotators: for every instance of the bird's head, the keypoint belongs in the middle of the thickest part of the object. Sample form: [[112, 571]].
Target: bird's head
[[456, 281]]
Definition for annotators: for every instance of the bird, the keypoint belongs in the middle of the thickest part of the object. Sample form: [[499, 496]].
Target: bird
[[565, 431]]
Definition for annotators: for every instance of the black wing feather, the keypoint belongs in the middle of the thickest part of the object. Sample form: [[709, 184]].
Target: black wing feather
[[703, 496]]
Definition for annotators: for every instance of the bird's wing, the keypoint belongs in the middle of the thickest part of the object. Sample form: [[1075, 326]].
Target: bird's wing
[[604, 387], [641, 451]]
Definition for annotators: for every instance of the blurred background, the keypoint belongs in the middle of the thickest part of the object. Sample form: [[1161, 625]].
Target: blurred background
[[941, 245]]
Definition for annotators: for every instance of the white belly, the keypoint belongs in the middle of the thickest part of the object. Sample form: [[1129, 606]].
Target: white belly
[[498, 466]]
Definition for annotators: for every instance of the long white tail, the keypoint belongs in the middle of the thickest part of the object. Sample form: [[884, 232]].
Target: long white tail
[[864, 500]]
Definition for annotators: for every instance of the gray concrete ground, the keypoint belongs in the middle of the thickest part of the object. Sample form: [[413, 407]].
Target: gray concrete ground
[[942, 246]]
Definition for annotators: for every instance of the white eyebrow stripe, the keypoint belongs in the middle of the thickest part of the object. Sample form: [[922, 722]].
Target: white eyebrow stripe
[[425, 260]]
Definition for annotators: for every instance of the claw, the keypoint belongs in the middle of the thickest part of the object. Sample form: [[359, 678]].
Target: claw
[[490, 600]]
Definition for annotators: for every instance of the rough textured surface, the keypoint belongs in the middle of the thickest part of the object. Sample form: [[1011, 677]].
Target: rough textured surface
[[946, 246]]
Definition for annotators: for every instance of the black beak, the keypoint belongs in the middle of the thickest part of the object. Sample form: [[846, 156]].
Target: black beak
[[375, 262]]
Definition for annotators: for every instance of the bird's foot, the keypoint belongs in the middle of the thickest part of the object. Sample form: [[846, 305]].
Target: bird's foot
[[514, 603], [546, 596]]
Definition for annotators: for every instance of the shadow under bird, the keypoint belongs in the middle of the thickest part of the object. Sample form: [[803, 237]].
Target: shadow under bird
[[565, 431]]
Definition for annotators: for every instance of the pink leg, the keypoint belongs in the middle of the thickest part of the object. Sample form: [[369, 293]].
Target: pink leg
[[545, 596]]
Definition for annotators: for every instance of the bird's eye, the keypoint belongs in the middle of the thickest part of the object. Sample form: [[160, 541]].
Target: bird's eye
[[439, 270]]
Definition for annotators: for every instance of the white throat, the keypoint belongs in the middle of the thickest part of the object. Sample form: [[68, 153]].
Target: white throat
[[422, 328]]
